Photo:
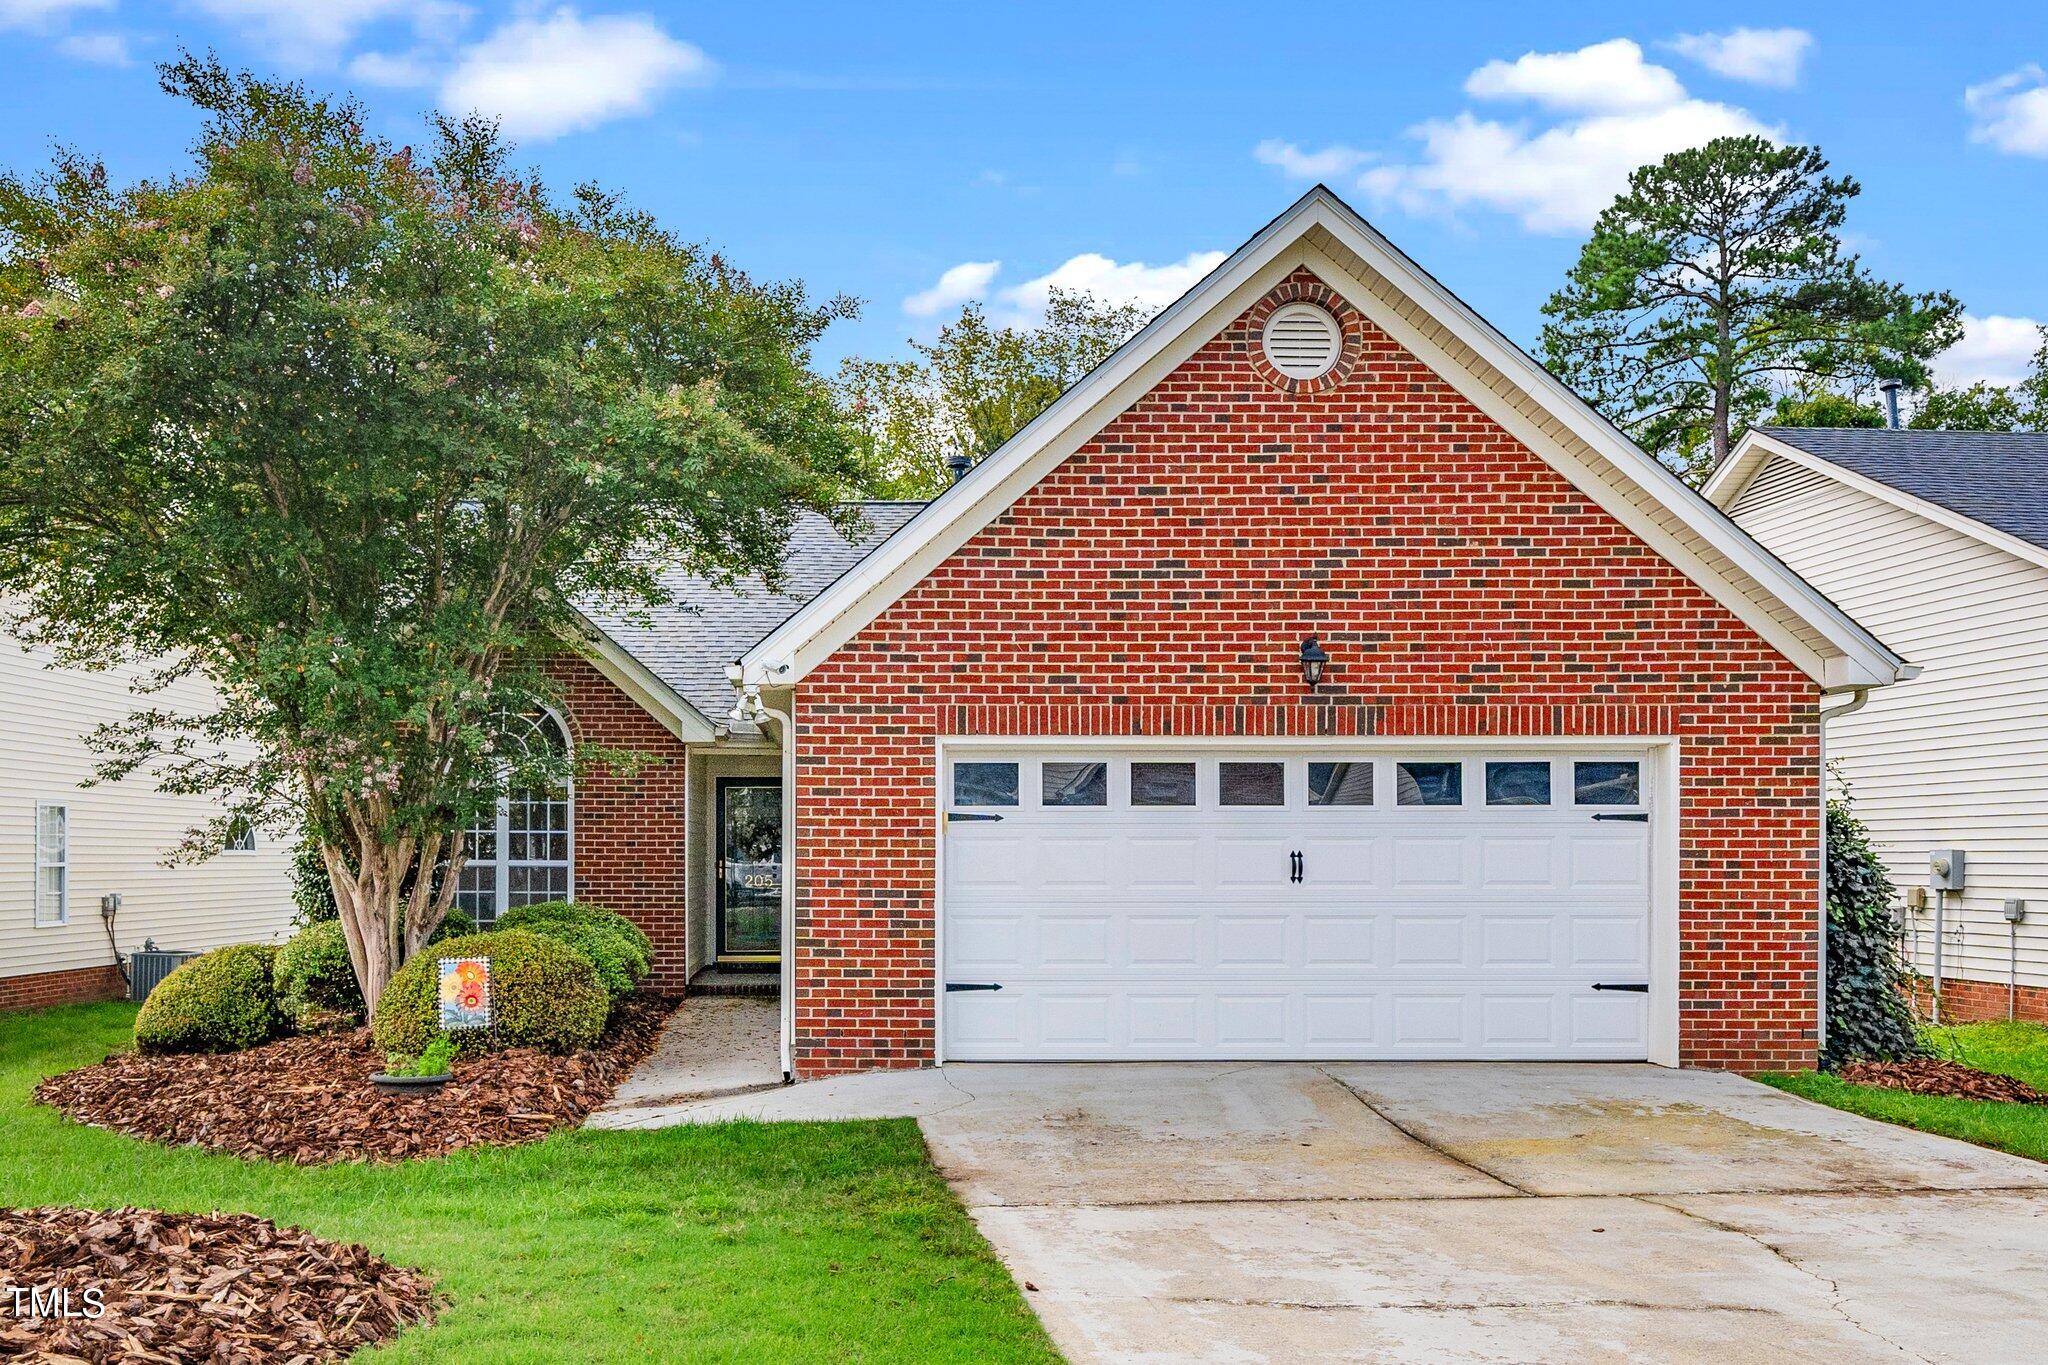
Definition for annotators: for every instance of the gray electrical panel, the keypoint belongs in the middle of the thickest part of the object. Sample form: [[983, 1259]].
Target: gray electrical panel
[[1945, 869]]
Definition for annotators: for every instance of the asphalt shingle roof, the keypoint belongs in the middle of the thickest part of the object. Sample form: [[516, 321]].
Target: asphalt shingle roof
[[1997, 478], [688, 643]]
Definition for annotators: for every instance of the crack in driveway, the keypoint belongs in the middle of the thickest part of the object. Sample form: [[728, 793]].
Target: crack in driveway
[[1405, 1131]]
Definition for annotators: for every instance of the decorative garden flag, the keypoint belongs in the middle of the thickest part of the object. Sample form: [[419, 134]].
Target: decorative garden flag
[[465, 993]]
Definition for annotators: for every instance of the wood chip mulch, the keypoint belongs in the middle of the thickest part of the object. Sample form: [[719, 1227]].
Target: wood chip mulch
[[1932, 1076], [191, 1287], [309, 1100]]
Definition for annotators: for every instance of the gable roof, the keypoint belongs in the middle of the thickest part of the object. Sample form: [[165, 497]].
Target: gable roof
[[688, 643], [1323, 233], [1994, 478]]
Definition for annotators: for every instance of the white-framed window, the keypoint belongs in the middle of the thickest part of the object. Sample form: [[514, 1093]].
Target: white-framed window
[[521, 854], [53, 864], [241, 837]]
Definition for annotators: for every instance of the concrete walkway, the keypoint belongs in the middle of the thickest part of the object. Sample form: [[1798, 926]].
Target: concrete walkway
[[712, 1046], [1474, 1212]]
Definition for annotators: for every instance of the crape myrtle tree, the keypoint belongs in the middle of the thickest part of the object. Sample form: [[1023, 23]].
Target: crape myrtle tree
[[1718, 281], [346, 430]]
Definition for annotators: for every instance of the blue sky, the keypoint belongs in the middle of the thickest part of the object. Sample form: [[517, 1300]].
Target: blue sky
[[915, 155]]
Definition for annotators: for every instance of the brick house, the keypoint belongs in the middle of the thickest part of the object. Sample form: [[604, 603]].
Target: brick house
[[1318, 678]]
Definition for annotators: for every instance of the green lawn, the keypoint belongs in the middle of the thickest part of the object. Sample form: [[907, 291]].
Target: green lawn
[[738, 1242], [2019, 1050]]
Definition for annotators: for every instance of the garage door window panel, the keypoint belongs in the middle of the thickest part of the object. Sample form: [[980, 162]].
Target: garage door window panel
[[984, 784], [1430, 784], [1339, 784], [1517, 783], [1607, 782], [1162, 784], [1073, 784], [1251, 784]]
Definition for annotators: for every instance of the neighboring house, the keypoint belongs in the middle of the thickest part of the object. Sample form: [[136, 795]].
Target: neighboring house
[[1938, 542], [1038, 770], [65, 847]]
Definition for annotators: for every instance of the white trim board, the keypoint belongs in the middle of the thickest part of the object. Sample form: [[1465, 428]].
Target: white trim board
[[1757, 449], [639, 682], [1811, 631]]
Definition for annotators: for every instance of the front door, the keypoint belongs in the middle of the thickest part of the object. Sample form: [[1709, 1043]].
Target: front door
[[749, 869]]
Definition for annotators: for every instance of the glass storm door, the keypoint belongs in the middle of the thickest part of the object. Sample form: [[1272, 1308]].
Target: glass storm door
[[750, 868]]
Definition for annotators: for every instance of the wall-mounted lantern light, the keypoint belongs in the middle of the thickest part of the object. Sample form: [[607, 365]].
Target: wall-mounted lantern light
[[1313, 659]]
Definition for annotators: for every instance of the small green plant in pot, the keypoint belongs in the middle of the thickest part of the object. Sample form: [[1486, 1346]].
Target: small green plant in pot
[[430, 1070]]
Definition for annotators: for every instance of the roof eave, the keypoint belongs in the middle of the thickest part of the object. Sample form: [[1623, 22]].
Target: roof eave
[[639, 682]]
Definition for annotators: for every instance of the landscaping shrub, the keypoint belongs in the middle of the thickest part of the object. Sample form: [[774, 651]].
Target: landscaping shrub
[[316, 983], [544, 994], [1869, 1017], [455, 924], [582, 912], [613, 943], [221, 1002], [312, 893]]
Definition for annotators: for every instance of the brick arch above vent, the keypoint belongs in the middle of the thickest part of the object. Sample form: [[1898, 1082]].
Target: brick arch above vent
[[1304, 287]]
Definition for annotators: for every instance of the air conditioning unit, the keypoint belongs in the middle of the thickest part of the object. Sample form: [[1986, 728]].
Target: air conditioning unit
[[149, 965]]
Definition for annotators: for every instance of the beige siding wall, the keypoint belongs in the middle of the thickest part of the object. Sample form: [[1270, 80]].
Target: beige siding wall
[[119, 833], [1959, 756]]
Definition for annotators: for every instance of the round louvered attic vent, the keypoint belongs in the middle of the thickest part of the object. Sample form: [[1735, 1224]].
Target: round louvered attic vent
[[1302, 341]]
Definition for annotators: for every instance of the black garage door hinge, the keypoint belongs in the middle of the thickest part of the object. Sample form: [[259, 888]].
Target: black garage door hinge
[[1638, 818], [1639, 987], [970, 815], [973, 986]]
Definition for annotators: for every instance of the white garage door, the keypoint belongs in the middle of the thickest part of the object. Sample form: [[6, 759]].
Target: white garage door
[[1161, 905]]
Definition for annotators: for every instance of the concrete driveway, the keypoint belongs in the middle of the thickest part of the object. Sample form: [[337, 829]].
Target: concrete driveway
[[1472, 1212]]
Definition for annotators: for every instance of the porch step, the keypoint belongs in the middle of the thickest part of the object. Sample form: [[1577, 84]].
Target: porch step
[[719, 981]]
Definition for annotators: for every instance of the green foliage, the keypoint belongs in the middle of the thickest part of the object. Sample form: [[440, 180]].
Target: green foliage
[[1824, 410], [437, 1060], [1868, 1013], [347, 431], [581, 912], [1717, 280], [222, 1001], [312, 892], [544, 994], [1989, 407], [972, 389], [614, 944], [455, 924], [316, 983]]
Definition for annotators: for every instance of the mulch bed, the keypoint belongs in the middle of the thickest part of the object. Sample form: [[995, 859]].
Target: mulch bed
[[309, 1100], [192, 1287], [1932, 1076]]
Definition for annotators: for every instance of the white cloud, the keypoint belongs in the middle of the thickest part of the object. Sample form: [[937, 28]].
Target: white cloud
[[41, 14], [1616, 112], [400, 70], [302, 31], [1760, 56], [1557, 180], [1604, 77], [102, 49], [545, 76], [1330, 163], [964, 282], [1994, 350], [2011, 113], [1149, 286]]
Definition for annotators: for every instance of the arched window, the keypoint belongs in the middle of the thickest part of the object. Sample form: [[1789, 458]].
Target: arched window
[[522, 854]]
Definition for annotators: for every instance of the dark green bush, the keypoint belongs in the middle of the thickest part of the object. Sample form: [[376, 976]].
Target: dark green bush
[[582, 912], [312, 893], [618, 959], [455, 924], [316, 983], [1869, 1016], [221, 1002], [544, 994]]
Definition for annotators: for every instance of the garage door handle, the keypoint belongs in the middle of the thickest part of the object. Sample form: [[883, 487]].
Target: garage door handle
[[1294, 867], [1639, 987], [970, 815], [1639, 818], [973, 986]]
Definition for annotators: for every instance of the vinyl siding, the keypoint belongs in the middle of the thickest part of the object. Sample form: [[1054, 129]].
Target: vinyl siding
[[119, 833], [1958, 757]]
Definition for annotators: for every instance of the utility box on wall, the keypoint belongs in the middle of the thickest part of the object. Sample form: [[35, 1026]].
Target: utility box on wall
[[1945, 869]]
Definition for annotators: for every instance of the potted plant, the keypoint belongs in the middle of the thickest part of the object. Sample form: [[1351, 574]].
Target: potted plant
[[425, 1073]]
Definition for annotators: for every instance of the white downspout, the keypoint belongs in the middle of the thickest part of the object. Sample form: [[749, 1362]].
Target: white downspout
[[1862, 696], [752, 708]]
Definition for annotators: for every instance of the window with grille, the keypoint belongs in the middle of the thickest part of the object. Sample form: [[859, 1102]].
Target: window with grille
[[520, 854], [53, 864]]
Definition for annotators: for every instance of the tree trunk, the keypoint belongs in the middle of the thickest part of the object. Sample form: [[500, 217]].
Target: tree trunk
[[389, 903]]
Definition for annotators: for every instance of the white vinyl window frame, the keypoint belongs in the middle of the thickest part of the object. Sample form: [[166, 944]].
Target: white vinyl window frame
[[501, 865], [53, 864]]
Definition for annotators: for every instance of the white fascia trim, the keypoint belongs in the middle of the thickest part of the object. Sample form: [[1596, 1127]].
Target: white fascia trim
[[789, 652], [1758, 450], [639, 682]]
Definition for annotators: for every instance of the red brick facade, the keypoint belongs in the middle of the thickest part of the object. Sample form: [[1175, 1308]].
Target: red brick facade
[[1161, 580], [630, 832], [1964, 1002], [80, 985]]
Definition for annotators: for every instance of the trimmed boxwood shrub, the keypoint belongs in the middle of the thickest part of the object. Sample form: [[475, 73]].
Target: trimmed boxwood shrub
[[613, 943], [544, 994], [220, 1002], [316, 983]]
